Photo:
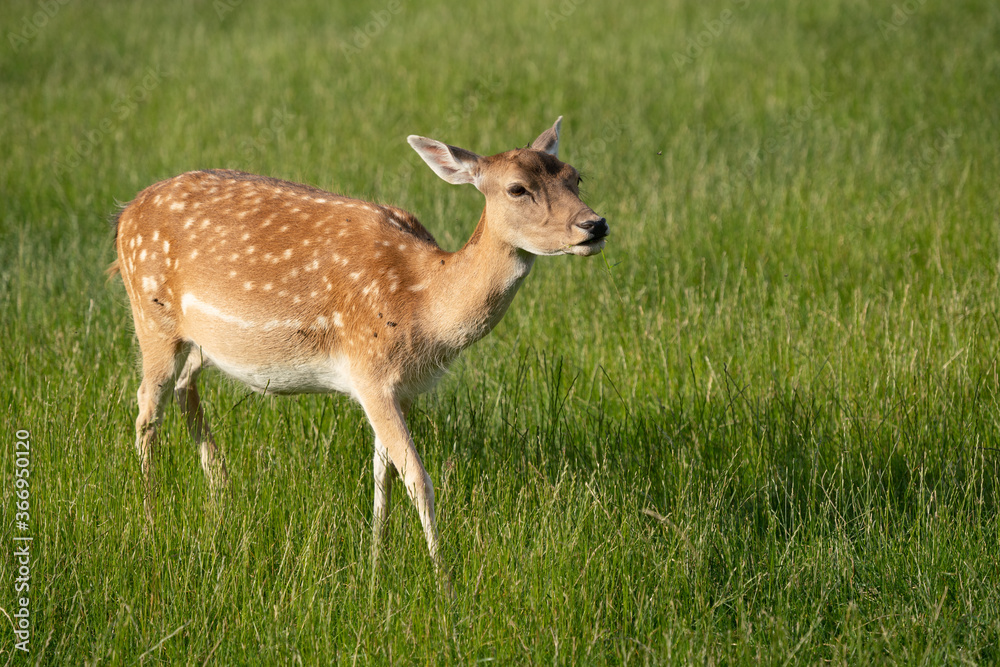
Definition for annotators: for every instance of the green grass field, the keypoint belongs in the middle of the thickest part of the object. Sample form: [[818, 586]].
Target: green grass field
[[764, 426]]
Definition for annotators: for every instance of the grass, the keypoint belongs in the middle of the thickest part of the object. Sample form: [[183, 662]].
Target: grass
[[763, 428]]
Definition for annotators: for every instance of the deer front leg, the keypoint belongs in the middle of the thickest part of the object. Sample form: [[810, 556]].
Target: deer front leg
[[392, 436], [385, 473]]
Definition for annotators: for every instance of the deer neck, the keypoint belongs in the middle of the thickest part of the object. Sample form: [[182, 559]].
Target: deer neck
[[469, 294]]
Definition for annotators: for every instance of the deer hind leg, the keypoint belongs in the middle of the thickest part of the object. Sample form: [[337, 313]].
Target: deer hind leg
[[186, 390], [161, 360]]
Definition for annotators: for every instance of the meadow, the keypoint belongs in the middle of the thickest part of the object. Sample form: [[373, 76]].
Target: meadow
[[764, 425]]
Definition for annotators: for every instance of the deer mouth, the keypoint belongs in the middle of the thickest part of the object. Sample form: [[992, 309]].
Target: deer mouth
[[591, 246]]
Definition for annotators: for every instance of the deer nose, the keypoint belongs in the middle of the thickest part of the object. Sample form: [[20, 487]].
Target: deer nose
[[598, 227]]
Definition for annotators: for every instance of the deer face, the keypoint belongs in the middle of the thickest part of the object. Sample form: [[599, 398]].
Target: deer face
[[532, 198]]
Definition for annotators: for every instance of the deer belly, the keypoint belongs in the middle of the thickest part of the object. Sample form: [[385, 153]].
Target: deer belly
[[275, 356], [318, 376]]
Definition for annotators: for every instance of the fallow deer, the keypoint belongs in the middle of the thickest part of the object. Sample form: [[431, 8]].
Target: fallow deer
[[292, 289]]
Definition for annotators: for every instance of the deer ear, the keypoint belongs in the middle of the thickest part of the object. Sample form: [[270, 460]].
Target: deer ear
[[548, 141], [455, 165]]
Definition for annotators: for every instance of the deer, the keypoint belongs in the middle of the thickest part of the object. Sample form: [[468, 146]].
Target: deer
[[291, 289]]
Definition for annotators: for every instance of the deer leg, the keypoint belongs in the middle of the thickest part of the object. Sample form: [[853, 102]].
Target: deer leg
[[385, 474], [160, 361], [386, 417], [186, 390]]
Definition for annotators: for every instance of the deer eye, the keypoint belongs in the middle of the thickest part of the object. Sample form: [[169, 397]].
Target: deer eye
[[516, 190]]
